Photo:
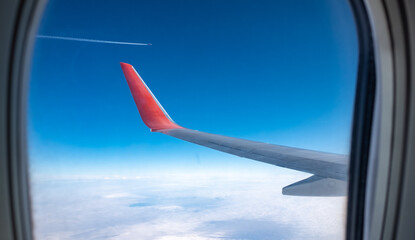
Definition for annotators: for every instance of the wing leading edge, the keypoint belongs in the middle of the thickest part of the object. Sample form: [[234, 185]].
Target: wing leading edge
[[329, 170]]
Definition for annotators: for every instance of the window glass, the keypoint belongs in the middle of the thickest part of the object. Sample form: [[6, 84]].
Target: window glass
[[280, 72]]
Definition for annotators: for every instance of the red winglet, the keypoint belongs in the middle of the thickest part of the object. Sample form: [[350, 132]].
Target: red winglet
[[152, 113]]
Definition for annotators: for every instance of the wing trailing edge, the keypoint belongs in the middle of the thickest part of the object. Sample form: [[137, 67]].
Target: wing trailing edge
[[329, 170]]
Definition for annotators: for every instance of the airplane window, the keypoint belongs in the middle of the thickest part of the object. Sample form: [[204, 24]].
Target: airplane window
[[191, 119]]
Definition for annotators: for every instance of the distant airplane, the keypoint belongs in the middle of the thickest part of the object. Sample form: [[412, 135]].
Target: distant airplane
[[329, 170]]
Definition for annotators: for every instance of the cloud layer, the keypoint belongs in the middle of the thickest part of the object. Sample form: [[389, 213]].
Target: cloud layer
[[183, 207]]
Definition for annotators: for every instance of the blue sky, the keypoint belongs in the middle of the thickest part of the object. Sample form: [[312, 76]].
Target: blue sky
[[282, 72]]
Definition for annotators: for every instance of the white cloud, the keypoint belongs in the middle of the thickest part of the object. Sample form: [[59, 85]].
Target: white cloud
[[170, 208], [184, 207], [119, 195]]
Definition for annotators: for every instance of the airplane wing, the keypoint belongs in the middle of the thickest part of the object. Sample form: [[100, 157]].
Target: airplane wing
[[329, 170]]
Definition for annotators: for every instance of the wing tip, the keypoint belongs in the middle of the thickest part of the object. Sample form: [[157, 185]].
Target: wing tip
[[123, 64], [151, 111]]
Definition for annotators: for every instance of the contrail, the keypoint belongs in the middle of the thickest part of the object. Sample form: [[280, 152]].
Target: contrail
[[92, 40]]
